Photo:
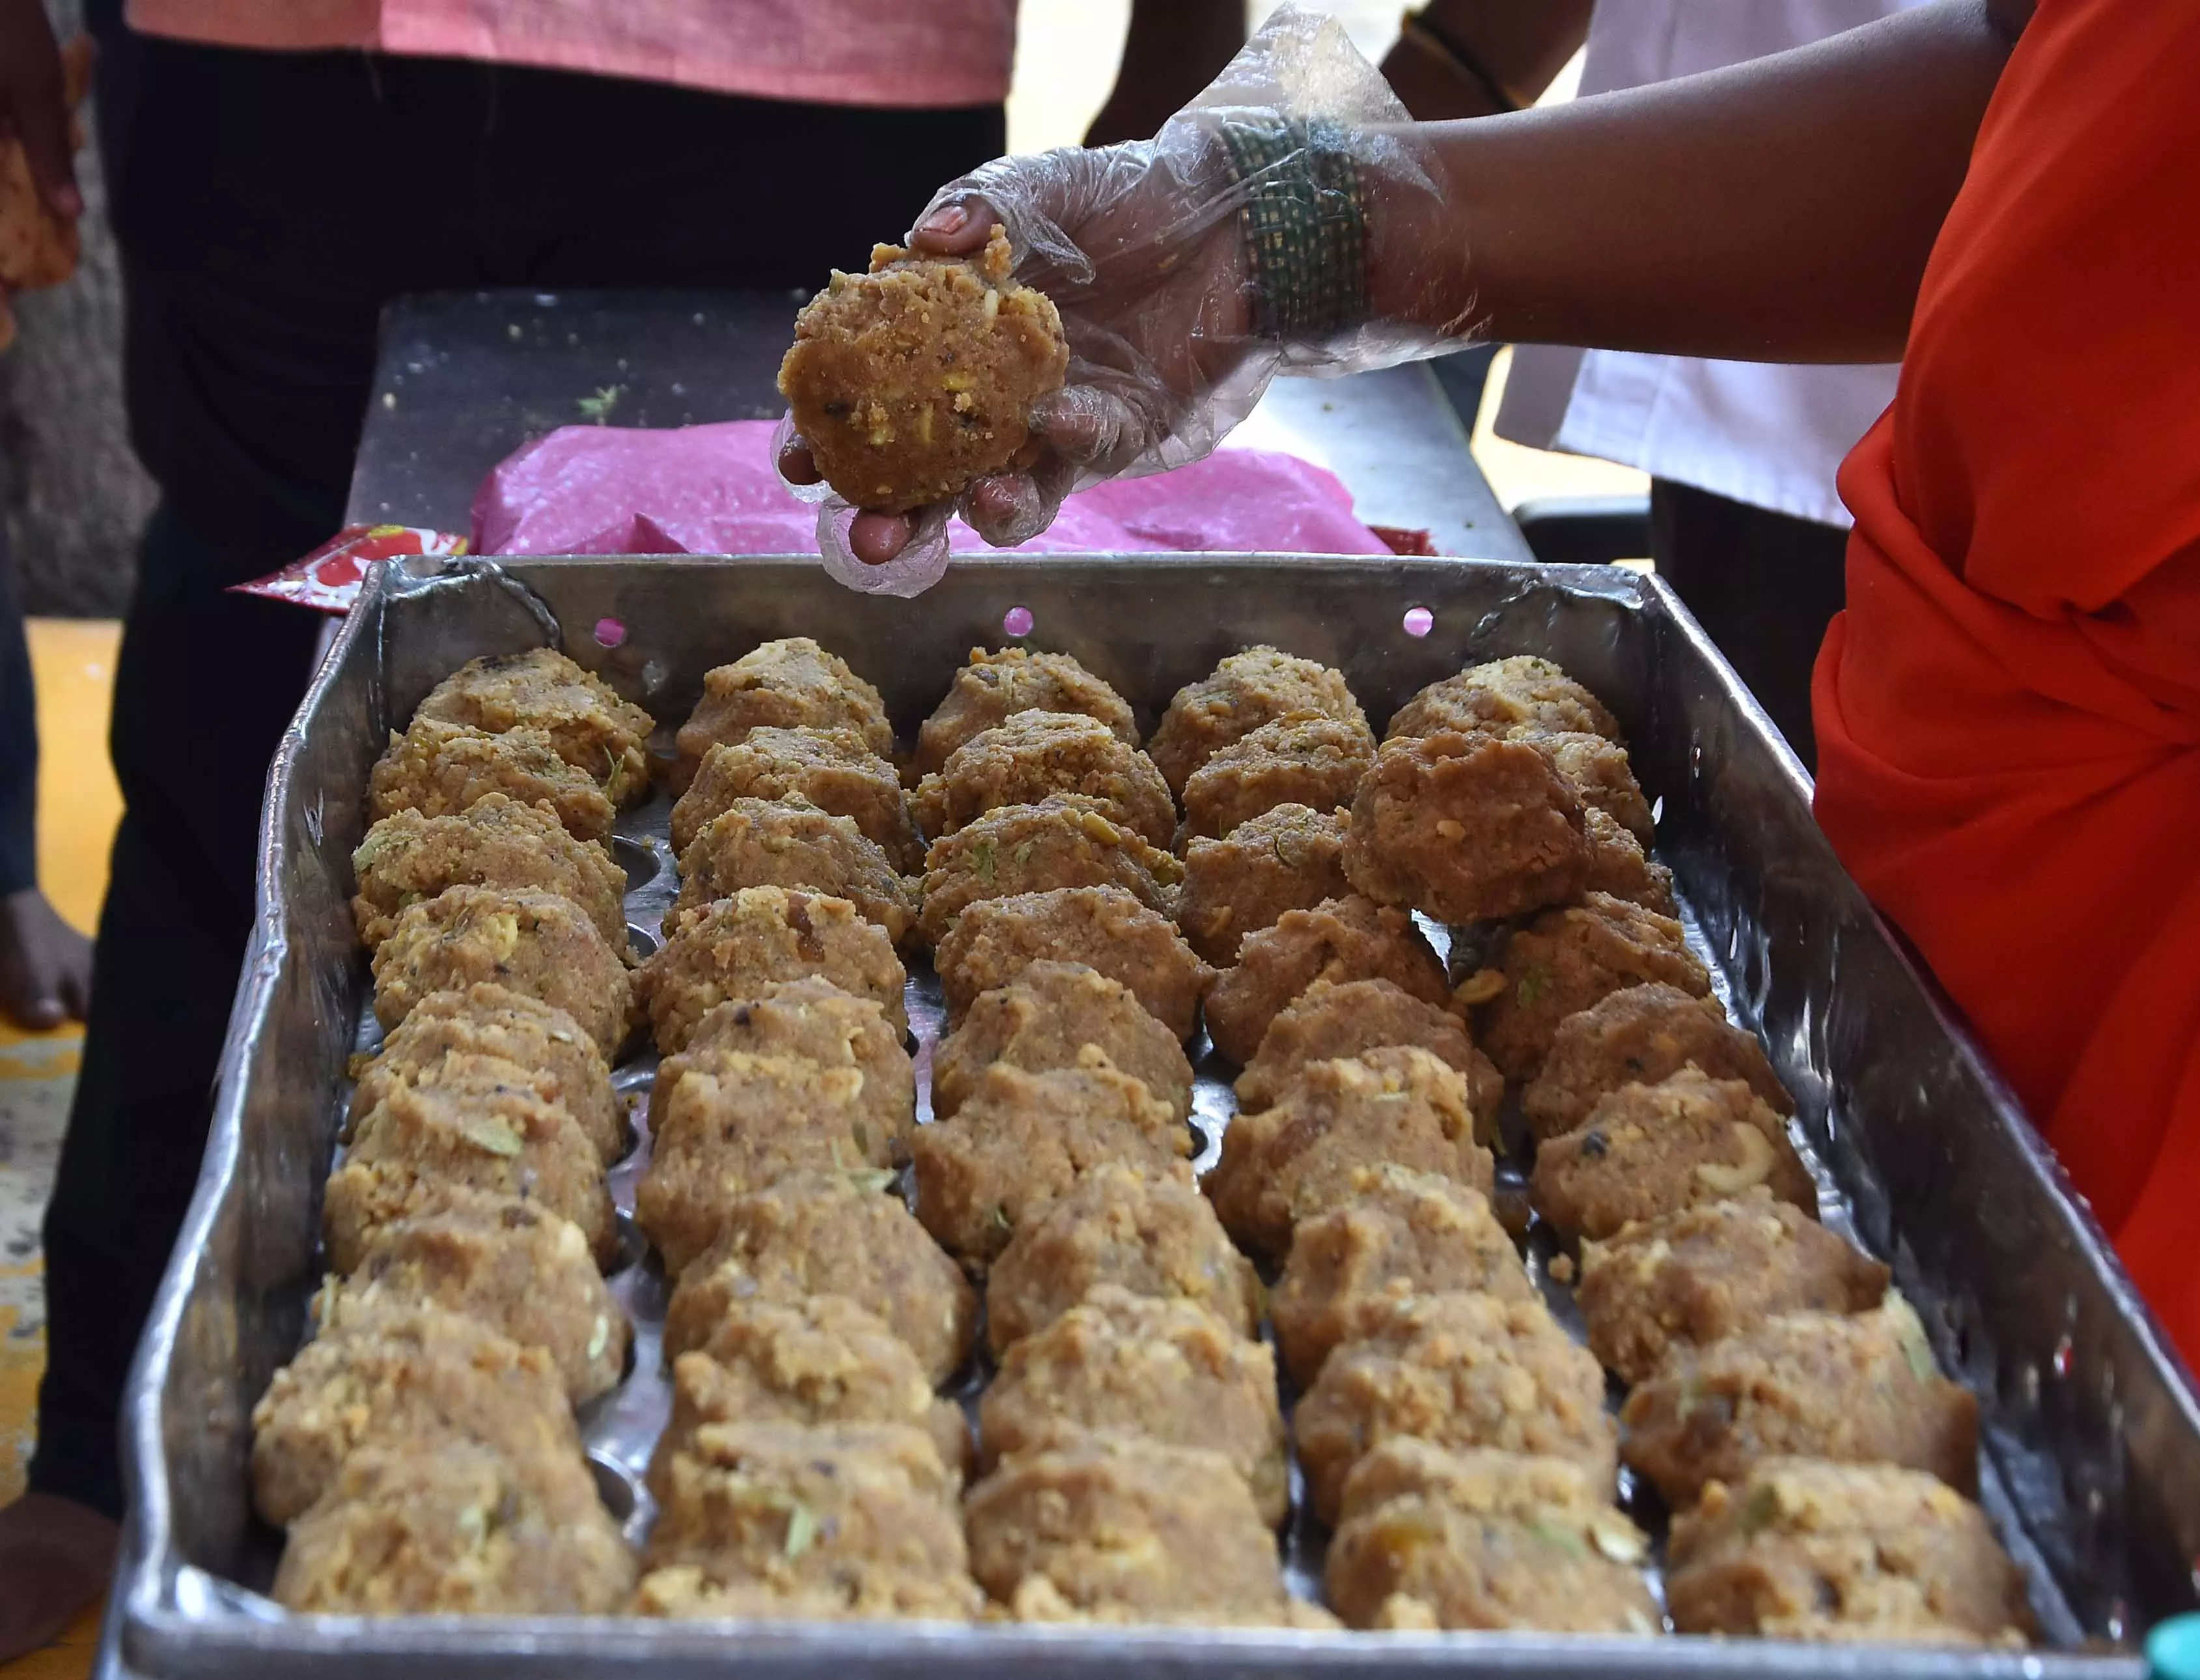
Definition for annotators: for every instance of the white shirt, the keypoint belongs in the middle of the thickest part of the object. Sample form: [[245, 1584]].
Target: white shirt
[[1757, 432]]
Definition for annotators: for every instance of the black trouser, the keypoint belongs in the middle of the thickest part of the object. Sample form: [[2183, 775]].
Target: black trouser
[[1763, 585], [268, 206], [18, 739]]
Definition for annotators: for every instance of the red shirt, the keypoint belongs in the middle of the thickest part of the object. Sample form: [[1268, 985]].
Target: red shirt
[[2009, 713]]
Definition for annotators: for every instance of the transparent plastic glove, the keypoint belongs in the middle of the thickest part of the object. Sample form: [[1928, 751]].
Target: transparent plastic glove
[[1140, 246]]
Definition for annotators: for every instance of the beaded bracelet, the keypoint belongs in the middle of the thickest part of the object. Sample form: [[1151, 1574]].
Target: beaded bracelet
[[1305, 227]]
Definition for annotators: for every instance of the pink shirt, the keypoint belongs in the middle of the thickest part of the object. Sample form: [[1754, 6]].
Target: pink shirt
[[928, 54]]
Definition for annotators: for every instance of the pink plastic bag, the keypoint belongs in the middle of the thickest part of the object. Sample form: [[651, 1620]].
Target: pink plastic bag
[[711, 490]]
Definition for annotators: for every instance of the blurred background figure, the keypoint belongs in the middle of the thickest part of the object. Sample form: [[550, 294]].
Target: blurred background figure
[[1745, 523], [46, 965]]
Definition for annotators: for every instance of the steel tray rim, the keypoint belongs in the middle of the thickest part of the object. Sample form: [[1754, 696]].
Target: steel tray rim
[[149, 1617]]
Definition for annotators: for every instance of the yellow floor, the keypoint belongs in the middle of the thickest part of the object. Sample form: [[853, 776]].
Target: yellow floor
[[78, 807]]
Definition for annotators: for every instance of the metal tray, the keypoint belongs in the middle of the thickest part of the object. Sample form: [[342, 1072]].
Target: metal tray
[[2093, 1460]]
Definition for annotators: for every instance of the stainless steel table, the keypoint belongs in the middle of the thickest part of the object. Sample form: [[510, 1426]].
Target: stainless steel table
[[464, 380]]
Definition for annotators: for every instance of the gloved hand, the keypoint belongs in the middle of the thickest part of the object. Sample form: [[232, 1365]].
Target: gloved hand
[[1175, 323]]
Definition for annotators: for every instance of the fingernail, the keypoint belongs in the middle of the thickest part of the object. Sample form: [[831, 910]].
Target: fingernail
[[946, 220]]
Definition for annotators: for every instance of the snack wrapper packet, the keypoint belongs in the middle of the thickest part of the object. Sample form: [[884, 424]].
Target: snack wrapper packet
[[327, 579], [1161, 257]]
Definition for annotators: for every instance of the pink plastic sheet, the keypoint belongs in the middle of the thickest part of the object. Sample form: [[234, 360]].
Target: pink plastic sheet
[[711, 490]]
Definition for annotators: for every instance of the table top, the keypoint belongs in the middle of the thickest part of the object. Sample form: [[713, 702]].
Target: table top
[[464, 380]]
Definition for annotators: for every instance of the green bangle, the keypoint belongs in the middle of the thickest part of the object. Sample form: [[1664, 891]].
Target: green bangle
[[1305, 227]]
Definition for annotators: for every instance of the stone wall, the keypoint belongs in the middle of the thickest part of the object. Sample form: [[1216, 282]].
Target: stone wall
[[71, 493]]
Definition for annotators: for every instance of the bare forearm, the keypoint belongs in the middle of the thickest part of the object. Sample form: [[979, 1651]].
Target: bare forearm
[[1780, 210]]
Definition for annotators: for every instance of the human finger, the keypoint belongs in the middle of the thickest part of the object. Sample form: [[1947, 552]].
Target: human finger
[[1104, 428], [875, 539], [955, 229], [797, 464], [1008, 508]]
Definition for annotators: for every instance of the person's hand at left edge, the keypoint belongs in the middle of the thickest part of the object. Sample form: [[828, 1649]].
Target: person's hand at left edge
[[34, 109], [34, 103]]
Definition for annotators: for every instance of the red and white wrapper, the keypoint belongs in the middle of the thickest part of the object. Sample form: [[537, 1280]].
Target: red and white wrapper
[[327, 579]]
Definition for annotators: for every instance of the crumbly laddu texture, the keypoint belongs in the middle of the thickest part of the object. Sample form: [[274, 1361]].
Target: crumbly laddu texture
[[1304, 757], [1619, 865], [1119, 1528], [824, 1361], [1486, 1480], [1065, 839], [792, 843], [589, 725], [836, 769], [1466, 827], [911, 381], [1339, 939], [1400, 1232], [1639, 1035], [1429, 1538], [735, 1123], [792, 683], [1694, 1277], [1025, 757], [1646, 1151], [401, 1378], [1853, 1388], [1289, 857], [450, 1527], [1245, 691], [1102, 928], [1600, 773], [813, 1234], [861, 1515], [732, 947], [1021, 1141], [1155, 1237], [514, 1266], [439, 769], [487, 1018], [480, 1125], [1502, 695], [1125, 1364], [811, 1020], [1329, 1020], [1846, 1552], [1565, 960], [1456, 1370], [1043, 1019], [994, 687], [1302, 1157], [688, 1592], [496, 841], [540, 945]]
